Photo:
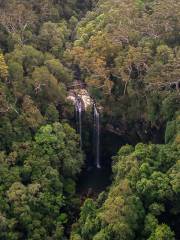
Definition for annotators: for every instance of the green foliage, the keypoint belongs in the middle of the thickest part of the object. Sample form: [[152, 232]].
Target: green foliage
[[61, 144], [173, 130], [51, 114], [145, 187], [127, 53], [32, 194], [135, 55], [44, 82], [164, 54], [31, 113], [3, 68], [170, 106], [59, 71], [27, 56], [52, 37], [162, 232]]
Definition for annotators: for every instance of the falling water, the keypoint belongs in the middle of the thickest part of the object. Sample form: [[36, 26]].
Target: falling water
[[78, 108], [77, 116], [97, 135], [80, 123]]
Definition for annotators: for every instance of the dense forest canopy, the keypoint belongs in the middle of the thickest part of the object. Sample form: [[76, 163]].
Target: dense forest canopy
[[127, 54]]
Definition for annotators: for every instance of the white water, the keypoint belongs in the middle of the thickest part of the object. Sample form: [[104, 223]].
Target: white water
[[78, 108], [97, 136]]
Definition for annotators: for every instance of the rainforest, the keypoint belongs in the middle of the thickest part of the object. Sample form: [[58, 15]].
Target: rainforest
[[90, 120]]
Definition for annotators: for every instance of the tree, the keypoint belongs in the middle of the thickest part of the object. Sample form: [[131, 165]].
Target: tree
[[53, 37], [59, 71], [16, 19], [162, 232], [3, 68], [53, 139], [51, 115], [33, 196], [46, 87], [27, 56], [31, 113]]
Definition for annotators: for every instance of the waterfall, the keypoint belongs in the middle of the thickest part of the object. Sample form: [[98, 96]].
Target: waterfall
[[80, 123], [97, 136], [78, 109]]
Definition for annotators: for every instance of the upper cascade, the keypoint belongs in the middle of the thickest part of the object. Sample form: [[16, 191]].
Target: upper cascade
[[78, 90]]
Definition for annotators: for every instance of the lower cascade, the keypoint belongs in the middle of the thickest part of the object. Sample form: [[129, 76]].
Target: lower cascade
[[97, 136], [78, 109]]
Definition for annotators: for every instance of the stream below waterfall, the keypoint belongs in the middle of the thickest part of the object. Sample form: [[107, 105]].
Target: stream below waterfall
[[94, 180]]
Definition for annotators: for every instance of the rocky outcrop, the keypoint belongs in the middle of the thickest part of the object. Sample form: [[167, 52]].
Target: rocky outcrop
[[83, 95]]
